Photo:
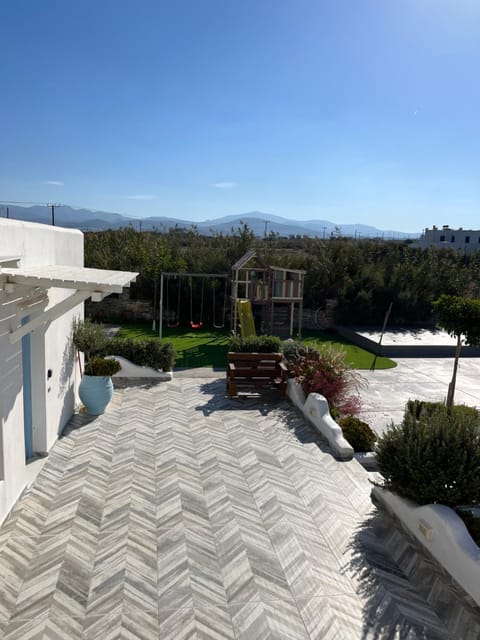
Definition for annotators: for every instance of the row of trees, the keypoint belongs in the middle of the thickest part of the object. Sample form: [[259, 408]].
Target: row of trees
[[364, 276]]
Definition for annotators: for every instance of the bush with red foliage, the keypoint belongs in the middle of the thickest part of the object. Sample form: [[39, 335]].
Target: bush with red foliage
[[327, 372]]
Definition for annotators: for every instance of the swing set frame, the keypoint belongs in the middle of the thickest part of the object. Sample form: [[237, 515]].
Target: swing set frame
[[183, 274]]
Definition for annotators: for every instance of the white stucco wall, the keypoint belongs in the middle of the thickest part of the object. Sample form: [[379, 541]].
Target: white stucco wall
[[464, 240], [53, 399]]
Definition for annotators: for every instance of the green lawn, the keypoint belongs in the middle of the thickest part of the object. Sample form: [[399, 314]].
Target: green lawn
[[359, 358], [208, 348]]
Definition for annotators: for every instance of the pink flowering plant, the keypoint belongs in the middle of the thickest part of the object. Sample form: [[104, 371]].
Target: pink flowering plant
[[326, 371]]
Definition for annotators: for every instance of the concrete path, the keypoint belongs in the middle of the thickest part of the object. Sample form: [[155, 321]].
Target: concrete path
[[183, 514], [388, 390]]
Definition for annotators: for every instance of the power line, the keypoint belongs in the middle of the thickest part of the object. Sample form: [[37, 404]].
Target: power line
[[52, 206], [46, 204]]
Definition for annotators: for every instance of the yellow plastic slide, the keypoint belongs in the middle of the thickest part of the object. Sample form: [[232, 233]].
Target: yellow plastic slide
[[245, 315]]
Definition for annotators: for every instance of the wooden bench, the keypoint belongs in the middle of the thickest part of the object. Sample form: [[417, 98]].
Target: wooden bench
[[256, 370]]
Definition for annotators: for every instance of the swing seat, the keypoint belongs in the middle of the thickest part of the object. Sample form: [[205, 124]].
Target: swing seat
[[196, 325], [218, 326], [173, 325]]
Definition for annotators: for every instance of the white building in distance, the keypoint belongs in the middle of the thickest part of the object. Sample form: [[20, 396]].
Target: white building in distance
[[465, 240]]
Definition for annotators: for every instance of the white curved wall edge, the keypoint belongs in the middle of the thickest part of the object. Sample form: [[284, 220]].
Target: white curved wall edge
[[130, 370], [295, 393], [440, 530], [366, 459], [315, 409]]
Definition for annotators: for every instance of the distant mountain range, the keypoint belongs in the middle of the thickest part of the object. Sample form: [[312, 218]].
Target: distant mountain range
[[258, 222]]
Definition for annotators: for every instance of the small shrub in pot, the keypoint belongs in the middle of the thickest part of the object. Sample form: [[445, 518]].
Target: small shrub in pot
[[102, 367], [254, 344], [89, 337]]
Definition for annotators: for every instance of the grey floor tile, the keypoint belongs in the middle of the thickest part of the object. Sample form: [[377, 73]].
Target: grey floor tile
[[183, 514]]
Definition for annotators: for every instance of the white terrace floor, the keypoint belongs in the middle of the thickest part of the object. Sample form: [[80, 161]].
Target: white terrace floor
[[388, 390], [183, 514]]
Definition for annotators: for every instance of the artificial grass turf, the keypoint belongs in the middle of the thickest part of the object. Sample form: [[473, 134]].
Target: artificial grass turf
[[194, 347], [357, 357], [208, 348]]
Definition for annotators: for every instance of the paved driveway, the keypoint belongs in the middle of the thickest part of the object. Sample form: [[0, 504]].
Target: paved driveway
[[183, 514], [388, 390]]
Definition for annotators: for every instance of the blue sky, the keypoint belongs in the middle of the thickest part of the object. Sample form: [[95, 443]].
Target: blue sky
[[353, 111]]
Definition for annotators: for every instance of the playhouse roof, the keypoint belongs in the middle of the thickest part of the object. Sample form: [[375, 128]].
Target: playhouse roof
[[253, 254]]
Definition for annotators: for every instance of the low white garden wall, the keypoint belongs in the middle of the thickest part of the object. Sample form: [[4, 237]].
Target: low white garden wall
[[315, 409], [130, 370], [440, 530]]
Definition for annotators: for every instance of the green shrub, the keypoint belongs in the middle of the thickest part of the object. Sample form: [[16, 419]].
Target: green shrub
[[294, 349], [254, 344], [89, 337], [334, 412], [417, 409], [102, 367], [433, 458], [149, 352], [327, 372], [421, 409], [358, 433]]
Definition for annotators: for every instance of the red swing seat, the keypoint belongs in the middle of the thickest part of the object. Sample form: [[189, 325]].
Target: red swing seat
[[196, 325]]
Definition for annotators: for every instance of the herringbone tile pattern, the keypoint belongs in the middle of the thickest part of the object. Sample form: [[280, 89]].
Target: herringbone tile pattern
[[183, 514]]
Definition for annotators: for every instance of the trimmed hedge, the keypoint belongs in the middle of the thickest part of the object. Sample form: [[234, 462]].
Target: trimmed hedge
[[90, 337], [433, 456], [147, 353]]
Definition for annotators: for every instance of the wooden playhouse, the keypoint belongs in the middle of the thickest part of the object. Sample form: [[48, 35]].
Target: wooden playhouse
[[275, 294]]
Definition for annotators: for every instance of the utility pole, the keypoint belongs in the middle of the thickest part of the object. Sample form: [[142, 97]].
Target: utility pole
[[52, 207], [265, 238]]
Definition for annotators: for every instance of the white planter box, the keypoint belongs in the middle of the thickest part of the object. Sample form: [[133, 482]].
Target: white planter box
[[440, 530]]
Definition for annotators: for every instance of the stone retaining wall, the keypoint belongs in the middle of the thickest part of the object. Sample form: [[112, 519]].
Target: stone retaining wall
[[120, 308]]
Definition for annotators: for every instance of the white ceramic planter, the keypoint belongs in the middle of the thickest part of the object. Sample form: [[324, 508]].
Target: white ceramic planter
[[95, 392]]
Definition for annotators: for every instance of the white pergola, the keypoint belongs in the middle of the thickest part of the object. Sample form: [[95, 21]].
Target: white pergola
[[30, 286]]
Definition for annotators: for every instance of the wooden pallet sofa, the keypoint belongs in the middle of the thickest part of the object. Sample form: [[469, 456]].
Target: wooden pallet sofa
[[256, 371]]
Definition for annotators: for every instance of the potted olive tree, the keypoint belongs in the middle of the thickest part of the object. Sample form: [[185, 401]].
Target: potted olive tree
[[96, 386]]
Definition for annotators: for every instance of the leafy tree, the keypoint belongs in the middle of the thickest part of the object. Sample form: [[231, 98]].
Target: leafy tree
[[363, 275], [460, 317]]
